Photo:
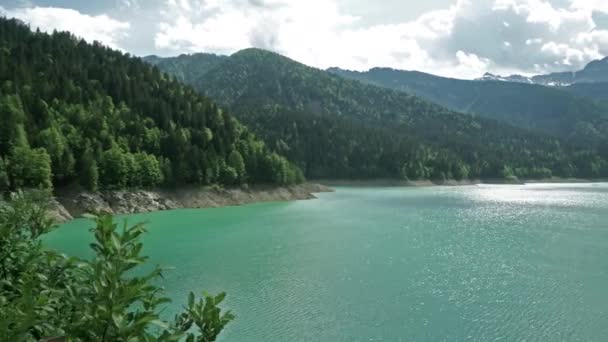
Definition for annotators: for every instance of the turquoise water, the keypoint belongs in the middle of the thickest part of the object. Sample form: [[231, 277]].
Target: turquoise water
[[479, 263]]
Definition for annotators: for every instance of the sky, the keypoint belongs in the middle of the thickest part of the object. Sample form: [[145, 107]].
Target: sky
[[453, 38]]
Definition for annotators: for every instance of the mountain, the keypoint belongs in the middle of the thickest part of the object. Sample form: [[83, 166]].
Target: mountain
[[594, 91], [512, 78], [72, 112], [334, 127], [548, 110], [594, 72], [590, 82], [196, 65]]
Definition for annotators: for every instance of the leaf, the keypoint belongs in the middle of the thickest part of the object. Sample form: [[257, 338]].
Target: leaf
[[159, 323], [118, 319], [220, 297], [115, 242], [191, 299]]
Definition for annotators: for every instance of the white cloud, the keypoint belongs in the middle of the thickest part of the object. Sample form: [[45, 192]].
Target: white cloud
[[470, 61], [533, 41], [568, 55], [590, 5], [226, 26], [464, 39], [92, 28], [130, 4], [314, 32]]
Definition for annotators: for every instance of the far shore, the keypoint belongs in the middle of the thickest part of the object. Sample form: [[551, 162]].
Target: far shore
[[71, 203], [385, 182]]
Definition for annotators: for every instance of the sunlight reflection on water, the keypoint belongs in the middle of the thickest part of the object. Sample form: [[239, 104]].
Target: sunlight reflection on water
[[473, 263], [592, 195]]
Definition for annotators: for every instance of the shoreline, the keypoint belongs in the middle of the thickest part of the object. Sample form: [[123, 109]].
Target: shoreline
[[428, 183], [70, 204]]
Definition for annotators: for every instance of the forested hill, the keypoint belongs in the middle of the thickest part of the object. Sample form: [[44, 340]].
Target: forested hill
[[187, 68], [552, 111], [597, 91], [77, 112], [336, 127]]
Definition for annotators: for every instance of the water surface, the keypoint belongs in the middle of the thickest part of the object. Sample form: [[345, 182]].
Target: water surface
[[478, 263]]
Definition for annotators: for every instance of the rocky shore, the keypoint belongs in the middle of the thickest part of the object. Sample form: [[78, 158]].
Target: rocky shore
[[71, 204]]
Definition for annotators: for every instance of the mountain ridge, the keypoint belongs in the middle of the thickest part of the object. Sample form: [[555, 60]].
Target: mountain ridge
[[332, 126], [549, 110], [595, 71]]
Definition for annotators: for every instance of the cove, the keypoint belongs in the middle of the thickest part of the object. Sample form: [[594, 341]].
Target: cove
[[477, 263]]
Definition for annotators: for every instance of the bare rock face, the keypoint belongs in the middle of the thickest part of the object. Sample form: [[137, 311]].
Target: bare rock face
[[75, 204], [59, 213], [128, 202], [86, 203]]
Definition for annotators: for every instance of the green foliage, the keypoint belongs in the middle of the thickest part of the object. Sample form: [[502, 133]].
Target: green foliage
[[108, 120], [205, 315], [150, 173], [114, 169], [229, 175], [507, 173], [89, 174], [4, 180], [62, 159], [544, 109], [30, 278], [235, 161], [12, 118], [30, 167], [597, 91], [333, 127], [461, 171], [43, 293], [187, 68]]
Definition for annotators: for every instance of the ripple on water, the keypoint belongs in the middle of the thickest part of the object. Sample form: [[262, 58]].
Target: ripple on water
[[476, 263]]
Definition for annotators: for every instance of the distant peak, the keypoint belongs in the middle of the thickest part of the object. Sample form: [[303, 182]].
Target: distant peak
[[253, 50], [256, 55], [384, 69], [597, 63], [488, 76]]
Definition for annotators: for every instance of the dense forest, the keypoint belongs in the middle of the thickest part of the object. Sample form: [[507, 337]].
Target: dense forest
[[550, 110], [594, 91], [187, 68], [73, 112], [333, 127]]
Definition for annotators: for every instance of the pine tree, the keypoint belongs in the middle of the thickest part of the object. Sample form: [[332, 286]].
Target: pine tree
[[4, 180], [93, 110], [89, 175]]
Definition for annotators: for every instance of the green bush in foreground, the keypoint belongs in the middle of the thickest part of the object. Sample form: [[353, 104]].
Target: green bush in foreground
[[45, 294]]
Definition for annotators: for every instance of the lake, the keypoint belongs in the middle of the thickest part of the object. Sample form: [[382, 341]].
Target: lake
[[478, 263]]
